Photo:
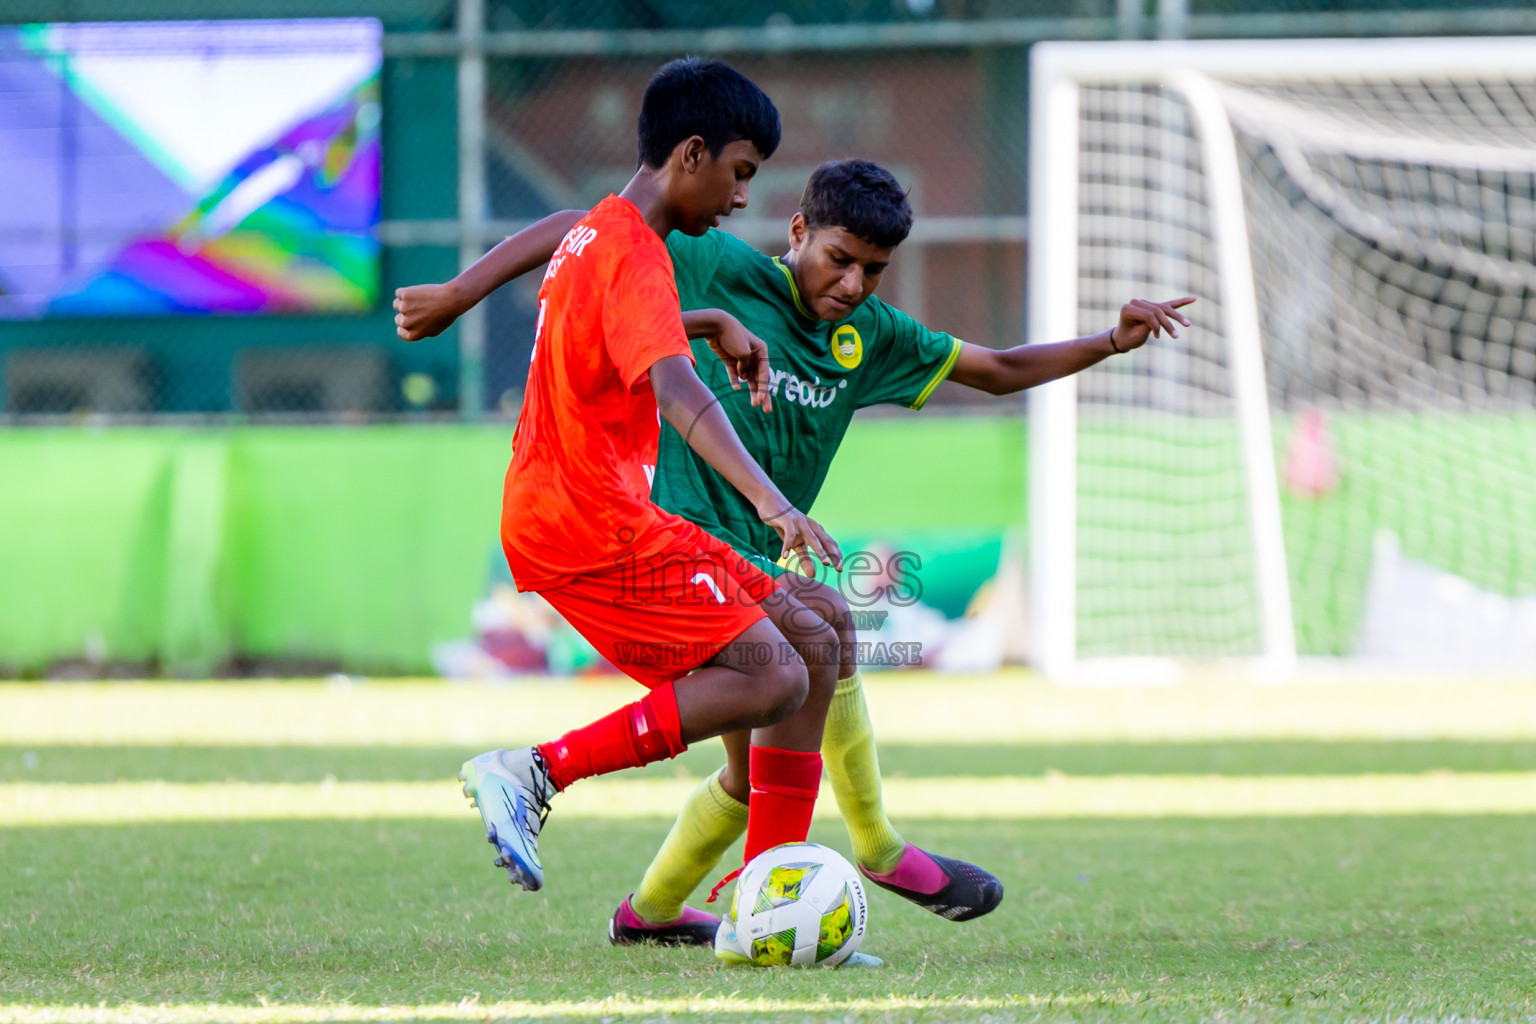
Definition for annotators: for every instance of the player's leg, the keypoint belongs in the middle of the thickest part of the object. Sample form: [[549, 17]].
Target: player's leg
[[716, 812], [656, 639], [737, 691], [784, 758], [951, 888], [712, 818], [715, 815], [815, 637], [733, 777], [848, 746]]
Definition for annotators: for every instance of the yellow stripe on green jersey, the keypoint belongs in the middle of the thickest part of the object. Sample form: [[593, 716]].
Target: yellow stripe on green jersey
[[794, 289], [939, 375]]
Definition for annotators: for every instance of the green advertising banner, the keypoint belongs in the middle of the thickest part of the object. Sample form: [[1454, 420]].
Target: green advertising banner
[[185, 551]]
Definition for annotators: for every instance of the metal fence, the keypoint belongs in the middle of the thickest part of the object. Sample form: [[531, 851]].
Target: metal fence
[[496, 112]]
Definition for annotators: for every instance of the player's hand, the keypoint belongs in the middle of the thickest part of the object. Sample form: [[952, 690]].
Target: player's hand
[[802, 535], [426, 310], [745, 356], [1141, 319]]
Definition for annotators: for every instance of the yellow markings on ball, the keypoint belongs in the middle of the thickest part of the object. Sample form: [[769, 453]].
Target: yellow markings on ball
[[784, 885], [836, 926], [776, 950]]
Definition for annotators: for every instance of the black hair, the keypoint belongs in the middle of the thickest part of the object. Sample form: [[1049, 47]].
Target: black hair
[[707, 98], [860, 197]]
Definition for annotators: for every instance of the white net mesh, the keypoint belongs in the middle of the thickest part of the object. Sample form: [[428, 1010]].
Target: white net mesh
[[1392, 228]]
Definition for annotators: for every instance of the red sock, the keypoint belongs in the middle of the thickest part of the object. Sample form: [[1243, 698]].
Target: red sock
[[784, 786], [636, 734]]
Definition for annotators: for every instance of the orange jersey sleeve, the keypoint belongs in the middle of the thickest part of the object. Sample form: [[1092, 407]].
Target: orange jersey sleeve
[[577, 493]]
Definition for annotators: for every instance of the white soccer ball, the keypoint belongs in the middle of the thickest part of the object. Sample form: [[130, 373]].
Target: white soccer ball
[[800, 905]]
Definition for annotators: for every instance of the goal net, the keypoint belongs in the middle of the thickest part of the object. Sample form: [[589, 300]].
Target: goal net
[[1357, 393]]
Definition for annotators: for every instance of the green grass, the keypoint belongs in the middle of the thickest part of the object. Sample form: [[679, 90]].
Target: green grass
[[1192, 917], [52, 763], [1310, 918]]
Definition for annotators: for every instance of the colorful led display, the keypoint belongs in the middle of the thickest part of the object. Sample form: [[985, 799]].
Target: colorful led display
[[164, 168]]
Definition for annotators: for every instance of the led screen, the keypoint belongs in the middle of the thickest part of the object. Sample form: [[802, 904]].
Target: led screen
[[161, 168]]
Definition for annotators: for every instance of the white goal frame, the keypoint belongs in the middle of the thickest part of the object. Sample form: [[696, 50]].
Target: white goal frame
[[1057, 70]]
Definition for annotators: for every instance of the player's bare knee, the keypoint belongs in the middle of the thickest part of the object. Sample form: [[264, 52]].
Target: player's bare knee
[[847, 635], [822, 653], [822, 685], [814, 639], [838, 614], [784, 688], [823, 607], [823, 658]]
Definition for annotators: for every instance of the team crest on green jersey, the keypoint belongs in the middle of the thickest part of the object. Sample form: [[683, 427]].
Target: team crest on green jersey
[[847, 347]]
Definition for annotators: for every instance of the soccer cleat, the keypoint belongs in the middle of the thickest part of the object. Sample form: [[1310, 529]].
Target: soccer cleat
[[732, 951], [694, 928], [860, 960], [511, 789], [728, 948], [963, 892]]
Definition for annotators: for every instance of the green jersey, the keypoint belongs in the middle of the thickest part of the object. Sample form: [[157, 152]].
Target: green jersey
[[822, 373]]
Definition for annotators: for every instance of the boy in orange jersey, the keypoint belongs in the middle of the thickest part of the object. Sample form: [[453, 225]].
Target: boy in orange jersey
[[678, 610]]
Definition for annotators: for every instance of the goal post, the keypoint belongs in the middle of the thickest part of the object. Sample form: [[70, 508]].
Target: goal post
[[1353, 216]]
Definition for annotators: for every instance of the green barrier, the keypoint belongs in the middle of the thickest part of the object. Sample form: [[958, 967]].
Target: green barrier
[[196, 618], [83, 520], [188, 550], [928, 471], [363, 547]]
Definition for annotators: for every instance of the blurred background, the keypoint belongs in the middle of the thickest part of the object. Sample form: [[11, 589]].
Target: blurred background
[[216, 457]]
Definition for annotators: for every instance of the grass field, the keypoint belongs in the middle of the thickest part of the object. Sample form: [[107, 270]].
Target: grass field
[[1214, 851]]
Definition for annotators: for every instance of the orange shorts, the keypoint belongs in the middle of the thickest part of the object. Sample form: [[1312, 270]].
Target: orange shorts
[[660, 619]]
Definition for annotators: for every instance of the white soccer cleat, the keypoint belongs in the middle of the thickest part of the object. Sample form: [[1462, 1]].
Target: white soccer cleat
[[857, 960], [728, 948], [511, 789], [731, 950]]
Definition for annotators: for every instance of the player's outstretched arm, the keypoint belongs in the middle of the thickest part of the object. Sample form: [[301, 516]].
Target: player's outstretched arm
[[1010, 370], [744, 354], [685, 403], [427, 310]]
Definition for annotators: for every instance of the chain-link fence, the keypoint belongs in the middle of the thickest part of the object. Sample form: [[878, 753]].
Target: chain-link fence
[[949, 124], [484, 115]]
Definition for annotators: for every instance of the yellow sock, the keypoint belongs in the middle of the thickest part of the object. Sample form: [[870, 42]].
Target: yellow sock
[[708, 824], [848, 752]]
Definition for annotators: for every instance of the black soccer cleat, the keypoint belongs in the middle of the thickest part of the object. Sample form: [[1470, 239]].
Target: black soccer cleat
[[694, 928], [970, 893]]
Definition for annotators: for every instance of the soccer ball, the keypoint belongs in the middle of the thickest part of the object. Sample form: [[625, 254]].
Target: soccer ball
[[799, 905]]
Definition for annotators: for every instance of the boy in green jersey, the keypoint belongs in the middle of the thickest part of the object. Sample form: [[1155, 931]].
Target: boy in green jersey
[[834, 348]]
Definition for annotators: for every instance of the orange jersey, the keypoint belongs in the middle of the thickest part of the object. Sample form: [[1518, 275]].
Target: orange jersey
[[577, 494]]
